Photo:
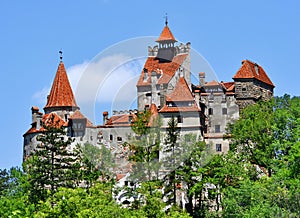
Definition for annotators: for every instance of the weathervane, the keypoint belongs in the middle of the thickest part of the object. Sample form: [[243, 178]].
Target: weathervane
[[166, 17], [61, 57]]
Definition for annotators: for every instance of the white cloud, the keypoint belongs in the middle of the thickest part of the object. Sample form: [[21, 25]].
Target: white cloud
[[41, 96], [110, 80], [101, 80]]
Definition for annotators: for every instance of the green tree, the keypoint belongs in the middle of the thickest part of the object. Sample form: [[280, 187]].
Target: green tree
[[252, 135], [265, 182], [53, 164], [145, 147], [171, 160], [4, 181], [95, 163], [14, 198], [190, 171]]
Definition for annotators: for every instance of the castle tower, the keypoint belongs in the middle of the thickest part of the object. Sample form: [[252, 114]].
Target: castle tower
[[61, 99], [252, 84], [166, 63], [166, 41], [61, 110]]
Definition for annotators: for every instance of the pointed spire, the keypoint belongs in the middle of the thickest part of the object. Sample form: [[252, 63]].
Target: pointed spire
[[166, 34], [166, 17], [61, 94]]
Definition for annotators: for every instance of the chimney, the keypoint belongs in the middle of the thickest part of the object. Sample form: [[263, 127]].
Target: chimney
[[36, 116], [130, 118], [105, 117], [145, 74], [256, 68], [201, 79]]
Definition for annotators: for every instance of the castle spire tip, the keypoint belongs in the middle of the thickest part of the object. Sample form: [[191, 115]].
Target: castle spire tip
[[60, 55]]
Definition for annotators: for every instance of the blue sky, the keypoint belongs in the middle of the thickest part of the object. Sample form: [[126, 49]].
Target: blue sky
[[223, 32]]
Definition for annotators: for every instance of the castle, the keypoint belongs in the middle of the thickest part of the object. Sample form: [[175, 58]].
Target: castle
[[164, 87]]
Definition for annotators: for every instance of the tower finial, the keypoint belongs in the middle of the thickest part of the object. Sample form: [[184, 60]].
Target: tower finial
[[61, 56], [166, 18]]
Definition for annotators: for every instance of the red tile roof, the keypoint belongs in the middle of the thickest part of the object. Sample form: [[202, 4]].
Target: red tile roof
[[165, 69], [181, 92], [166, 109], [78, 115], [119, 120], [33, 129], [229, 86], [166, 35], [53, 120], [120, 176], [212, 83], [61, 93], [248, 71]]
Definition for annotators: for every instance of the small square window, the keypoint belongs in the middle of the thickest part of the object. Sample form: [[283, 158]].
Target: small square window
[[219, 147], [119, 139], [224, 111], [217, 128]]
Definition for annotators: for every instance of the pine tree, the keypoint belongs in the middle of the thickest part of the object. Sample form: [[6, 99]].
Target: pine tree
[[145, 147], [53, 164], [171, 160]]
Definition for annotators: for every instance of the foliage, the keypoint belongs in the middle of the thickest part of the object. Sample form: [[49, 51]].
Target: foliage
[[190, 170], [145, 147], [171, 160], [265, 137], [95, 162], [52, 165], [259, 177]]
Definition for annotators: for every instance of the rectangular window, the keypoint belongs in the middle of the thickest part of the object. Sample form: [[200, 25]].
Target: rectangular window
[[179, 119], [211, 97], [111, 137], [217, 128], [66, 117], [224, 111], [210, 111], [218, 147]]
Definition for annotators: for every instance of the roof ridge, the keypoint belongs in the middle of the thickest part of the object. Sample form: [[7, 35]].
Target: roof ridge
[[252, 70], [181, 91]]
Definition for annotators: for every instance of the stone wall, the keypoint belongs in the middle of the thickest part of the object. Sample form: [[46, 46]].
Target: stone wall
[[249, 91]]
